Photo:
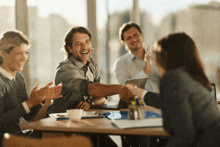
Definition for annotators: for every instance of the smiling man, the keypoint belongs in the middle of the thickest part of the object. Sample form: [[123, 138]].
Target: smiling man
[[133, 65], [79, 75], [80, 78]]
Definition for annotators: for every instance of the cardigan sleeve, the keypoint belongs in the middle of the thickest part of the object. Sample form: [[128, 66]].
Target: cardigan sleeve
[[153, 99], [34, 110], [11, 115], [6, 114]]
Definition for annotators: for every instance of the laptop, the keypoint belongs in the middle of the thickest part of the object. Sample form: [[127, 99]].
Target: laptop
[[117, 102]]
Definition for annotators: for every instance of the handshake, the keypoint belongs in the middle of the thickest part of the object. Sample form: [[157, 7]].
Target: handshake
[[128, 92]]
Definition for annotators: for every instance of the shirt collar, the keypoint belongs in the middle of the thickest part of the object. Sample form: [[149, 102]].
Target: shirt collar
[[131, 55], [6, 74], [78, 63]]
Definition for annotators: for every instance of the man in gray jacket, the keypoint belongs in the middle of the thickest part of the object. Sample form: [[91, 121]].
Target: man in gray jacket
[[79, 75]]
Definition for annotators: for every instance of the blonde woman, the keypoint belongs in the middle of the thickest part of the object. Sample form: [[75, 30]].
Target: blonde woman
[[14, 100]]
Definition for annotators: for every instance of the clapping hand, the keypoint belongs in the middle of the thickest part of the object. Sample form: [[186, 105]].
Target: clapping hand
[[147, 60], [46, 92], [53, 91]]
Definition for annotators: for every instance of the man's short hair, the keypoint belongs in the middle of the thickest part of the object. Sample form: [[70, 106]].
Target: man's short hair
[[69, 36], [125, 27]]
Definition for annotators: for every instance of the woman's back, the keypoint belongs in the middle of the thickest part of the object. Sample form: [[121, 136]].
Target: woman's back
[[188, 107]]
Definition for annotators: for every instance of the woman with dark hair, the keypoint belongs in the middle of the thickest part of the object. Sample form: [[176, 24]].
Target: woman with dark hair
[[14, 100], [189, 110]]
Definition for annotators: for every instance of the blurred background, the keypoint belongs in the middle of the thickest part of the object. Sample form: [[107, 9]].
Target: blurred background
[[46, 22]]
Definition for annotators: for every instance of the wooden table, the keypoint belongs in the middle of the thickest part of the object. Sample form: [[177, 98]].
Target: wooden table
[[91, 126]]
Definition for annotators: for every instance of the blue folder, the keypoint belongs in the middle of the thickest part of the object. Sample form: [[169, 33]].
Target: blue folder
[[124, 114]]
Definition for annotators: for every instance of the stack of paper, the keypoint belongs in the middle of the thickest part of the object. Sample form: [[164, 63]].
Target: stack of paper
[[149, 122]]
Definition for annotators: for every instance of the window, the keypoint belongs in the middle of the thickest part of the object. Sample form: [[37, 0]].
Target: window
[[198, 18], [110, 17], [7, 15], [49, 22]]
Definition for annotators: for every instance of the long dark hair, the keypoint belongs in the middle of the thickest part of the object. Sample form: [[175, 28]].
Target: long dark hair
[[178, 50]]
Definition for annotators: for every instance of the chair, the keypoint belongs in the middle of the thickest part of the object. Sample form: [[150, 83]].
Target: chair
[[17, 141], [214, 90]]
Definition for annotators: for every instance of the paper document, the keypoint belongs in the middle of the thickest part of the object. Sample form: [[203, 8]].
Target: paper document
[[149, 122], [86, 114]]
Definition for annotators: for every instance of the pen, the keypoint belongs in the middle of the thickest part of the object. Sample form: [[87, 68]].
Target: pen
[[60, 115], [137, 101], [99, 114]]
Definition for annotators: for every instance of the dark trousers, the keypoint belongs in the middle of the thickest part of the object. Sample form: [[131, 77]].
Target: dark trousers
[[144, 141], [134, 141], [102, 141]]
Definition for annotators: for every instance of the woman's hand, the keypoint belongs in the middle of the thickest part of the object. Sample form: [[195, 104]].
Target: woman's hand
[[54, 92], [39, 96]]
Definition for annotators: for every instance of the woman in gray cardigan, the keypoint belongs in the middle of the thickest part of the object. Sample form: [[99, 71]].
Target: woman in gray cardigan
[[189, 110], [14, 100]]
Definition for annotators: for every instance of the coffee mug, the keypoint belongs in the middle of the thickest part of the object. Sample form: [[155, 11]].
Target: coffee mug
[[75, 114]]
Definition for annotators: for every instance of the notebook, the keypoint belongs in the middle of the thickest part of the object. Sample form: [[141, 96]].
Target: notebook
[[143, 123]]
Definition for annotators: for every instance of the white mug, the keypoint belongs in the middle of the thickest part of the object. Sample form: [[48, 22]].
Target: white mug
[[75, 114]]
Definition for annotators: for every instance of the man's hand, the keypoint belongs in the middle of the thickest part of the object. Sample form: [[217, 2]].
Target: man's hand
[[84, 105], [147, 60], [126, 94]]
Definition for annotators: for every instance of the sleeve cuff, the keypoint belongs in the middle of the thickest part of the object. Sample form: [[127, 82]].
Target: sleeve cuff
[[143, 94], [26, 107]]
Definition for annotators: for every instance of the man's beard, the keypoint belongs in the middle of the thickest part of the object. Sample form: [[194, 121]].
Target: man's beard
[[136, 48]]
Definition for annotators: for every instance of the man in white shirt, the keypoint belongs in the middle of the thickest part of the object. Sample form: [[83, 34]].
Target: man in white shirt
[[133, 65]]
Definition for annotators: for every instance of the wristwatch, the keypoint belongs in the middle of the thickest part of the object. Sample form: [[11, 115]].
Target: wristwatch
[[90, 101]]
